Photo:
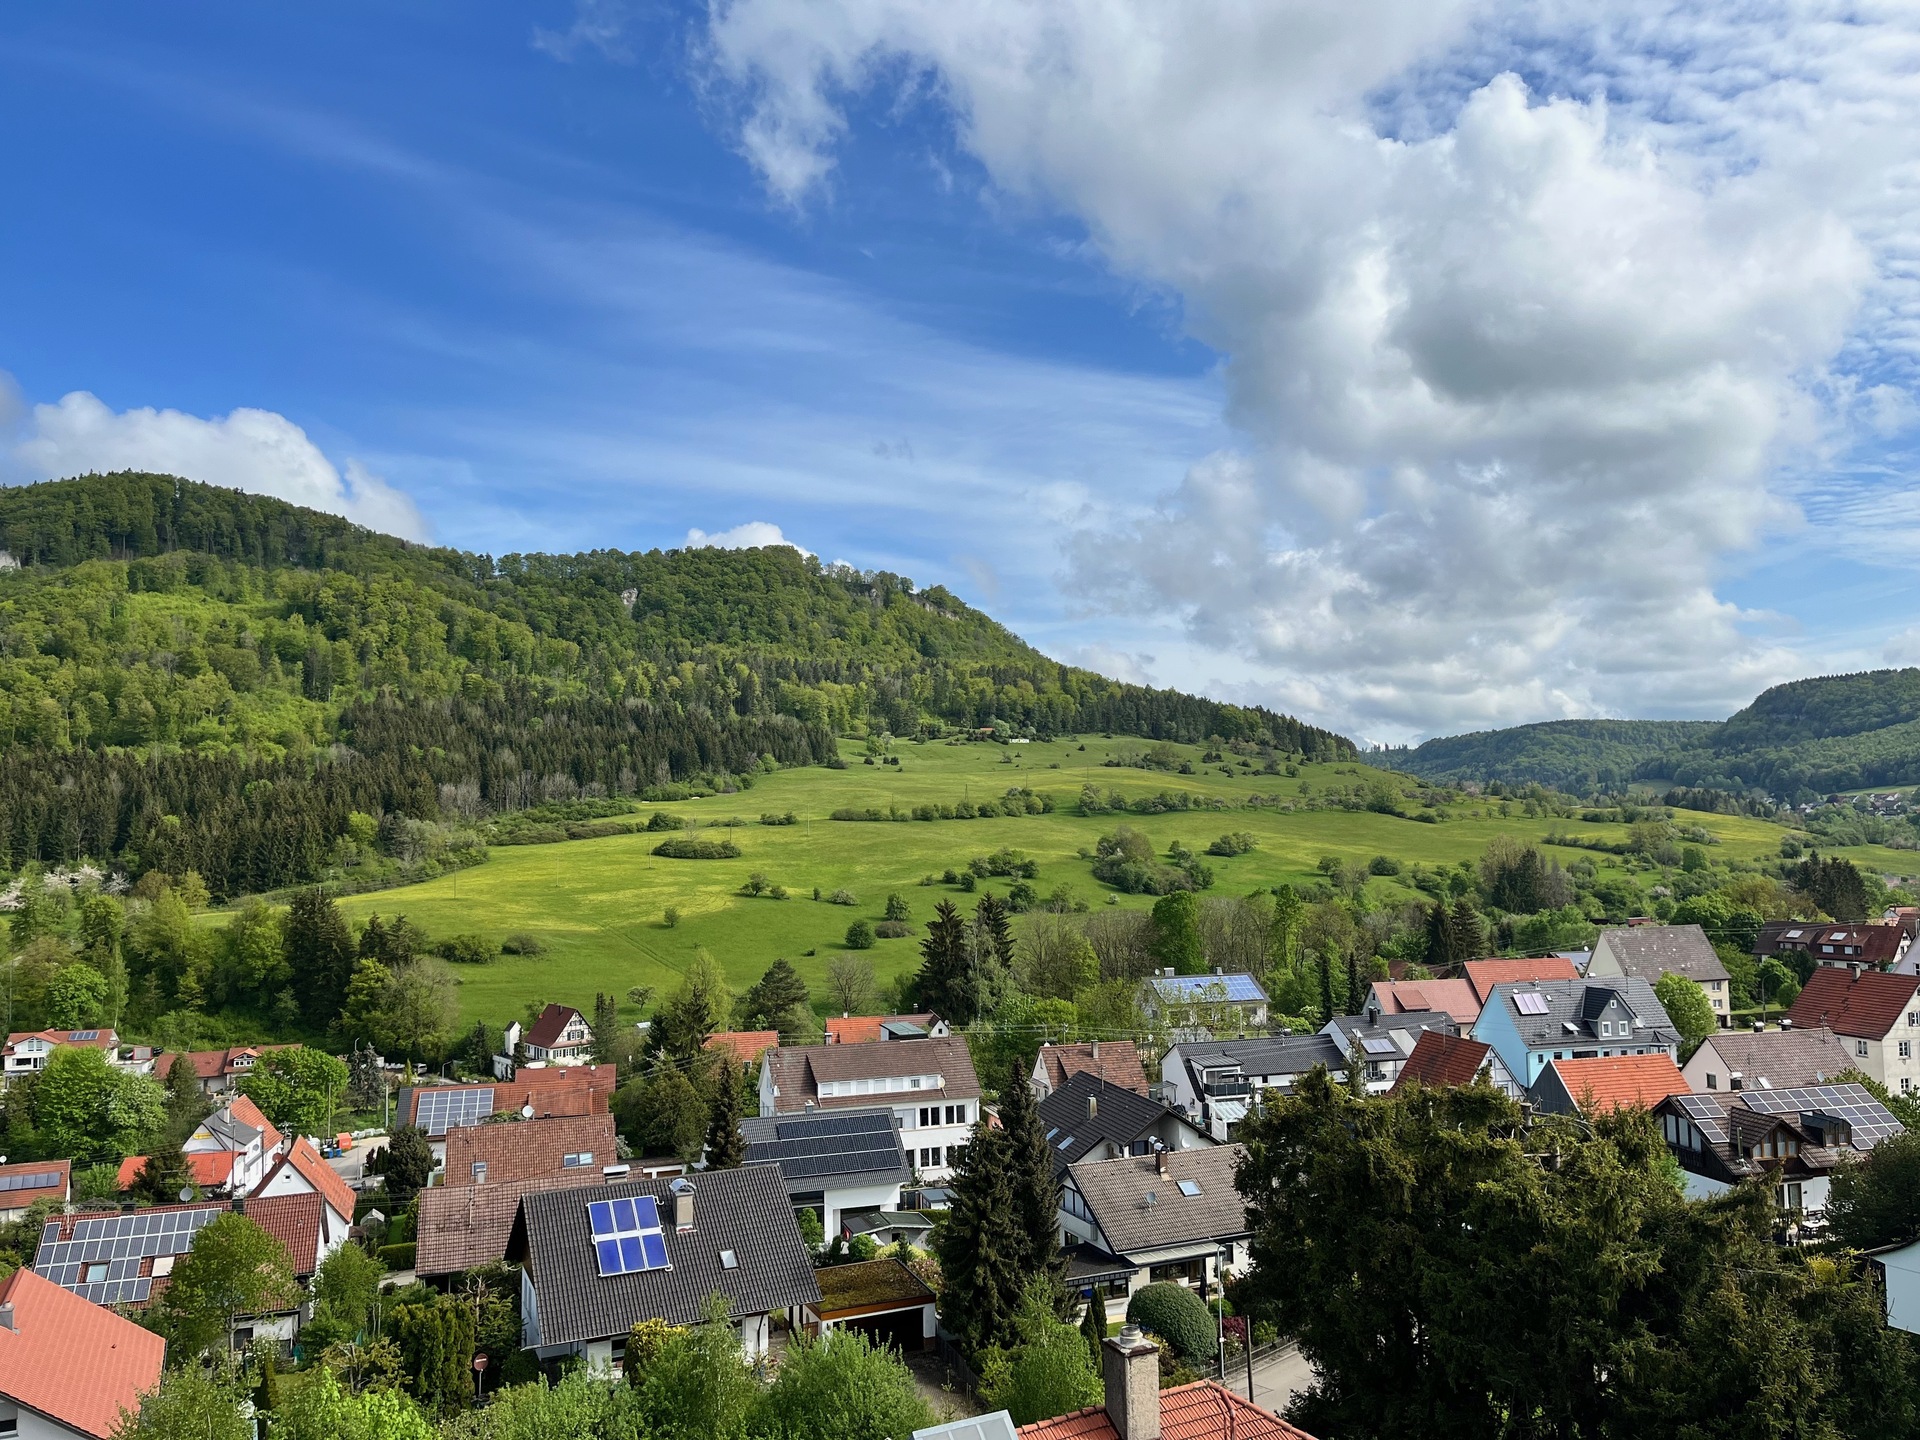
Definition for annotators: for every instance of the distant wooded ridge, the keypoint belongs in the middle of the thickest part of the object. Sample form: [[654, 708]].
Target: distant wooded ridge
[[1797, 742]]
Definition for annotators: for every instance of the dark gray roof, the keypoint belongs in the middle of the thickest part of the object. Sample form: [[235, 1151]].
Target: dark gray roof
[[1139, 1209], [1573, 1005], [1120, 1116], [745, 1211], [1358, 1029], [845, 1147], [1279, 1055], [1651, 951]]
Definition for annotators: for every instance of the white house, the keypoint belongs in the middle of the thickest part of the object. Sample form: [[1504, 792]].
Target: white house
[[929, 1084]]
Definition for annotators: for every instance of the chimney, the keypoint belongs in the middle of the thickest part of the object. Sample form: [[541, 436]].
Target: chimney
[[682, 1206], [1160, 1161], [1132, 1364], [6, 1315], [1735, 1080], [1096, 1049], [1093, 1107]]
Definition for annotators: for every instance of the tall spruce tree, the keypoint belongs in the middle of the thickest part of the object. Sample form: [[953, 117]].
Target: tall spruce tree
[[320, 955], [1466, 933], [166, 1172], [1093, 1325], [1356, 992], [1440, 955], [975, 1245], [726, 1147], [1326, 985], [771, 997], [941, 983], [1033, 1234]]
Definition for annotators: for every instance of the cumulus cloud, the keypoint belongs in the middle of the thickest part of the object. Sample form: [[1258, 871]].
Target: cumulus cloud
[[1513, 372], [253, 450], [750, 535]]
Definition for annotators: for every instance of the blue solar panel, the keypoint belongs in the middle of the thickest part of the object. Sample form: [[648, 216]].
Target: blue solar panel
[[627, 1236]]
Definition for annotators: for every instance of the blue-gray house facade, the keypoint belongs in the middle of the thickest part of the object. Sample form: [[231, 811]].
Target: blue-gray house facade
[[1531, 1023]]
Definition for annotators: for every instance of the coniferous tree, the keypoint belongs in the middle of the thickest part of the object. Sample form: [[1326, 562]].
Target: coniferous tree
[[994, 926], [1356, 993], [1440, 953], [726, 1147], [1326, 986], [1466, 934], [606, 1025], [982, 1280], [1093, 1325], [941, 983], [773, 996], [320, 955], [1034, 1222], [166, 1172]]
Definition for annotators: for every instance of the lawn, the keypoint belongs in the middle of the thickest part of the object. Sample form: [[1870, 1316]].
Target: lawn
[[598, 905]]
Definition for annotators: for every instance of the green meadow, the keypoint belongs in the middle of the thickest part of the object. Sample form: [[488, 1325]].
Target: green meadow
[[598, 905]]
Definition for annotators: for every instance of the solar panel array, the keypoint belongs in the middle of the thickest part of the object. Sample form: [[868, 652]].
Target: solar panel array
[[1707, 1116], [1378, 1045], [1872, 1122], [1530, 1002], [1209, 987], [101, 1262], [627, 1236], [830, 1145], [32, 1180], [437, 1111]]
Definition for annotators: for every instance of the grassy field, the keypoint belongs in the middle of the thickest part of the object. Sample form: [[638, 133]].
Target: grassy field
[[598, 904]]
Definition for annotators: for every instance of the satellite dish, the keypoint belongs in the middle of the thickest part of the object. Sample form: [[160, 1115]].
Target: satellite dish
[[186, 1194], [526, 1111]]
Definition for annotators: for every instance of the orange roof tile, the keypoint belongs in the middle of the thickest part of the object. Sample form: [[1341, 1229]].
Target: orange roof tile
[[1866, 1005], [1439, 1059], [1455, 997], [746, 1046], [1618, 1082], [1115, 1061], [524, 1149], [297, 1222], [863, 1029], [246, 1112], [1203, 1410], [306, 1162], [1485, 974], [71, 1359], [210, 1169]]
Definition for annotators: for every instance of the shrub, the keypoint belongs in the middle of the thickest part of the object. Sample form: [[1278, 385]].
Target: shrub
[[692, 849], [897, 908], [785, 818], [661, 820], [1384, 865], [893, 929], [670, 917], [467, 949], [521, 943], [397, 1257], [860, 936], [756, 884], [1237, 842], [843, 897], [1177, 1316]]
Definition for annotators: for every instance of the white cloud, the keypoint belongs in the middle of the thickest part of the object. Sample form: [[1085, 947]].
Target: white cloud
[[597, 25], [1512, 374], [751, 535], [253, 450]]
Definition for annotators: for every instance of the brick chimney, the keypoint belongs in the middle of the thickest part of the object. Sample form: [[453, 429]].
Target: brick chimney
[[682, 1205], [1133, 1384]]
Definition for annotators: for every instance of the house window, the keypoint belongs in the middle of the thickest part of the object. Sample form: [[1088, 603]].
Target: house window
[[956, 1114], [1713, 1081], [1860, 1048], [930, 1157], [10, 1424], [929, 1115], [1906, 1084], [93, 1273], [1913, 1018], [574, 1162], [1906, 1049]]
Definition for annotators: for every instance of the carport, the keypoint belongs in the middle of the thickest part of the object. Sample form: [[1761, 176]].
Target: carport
[[882, 1299]]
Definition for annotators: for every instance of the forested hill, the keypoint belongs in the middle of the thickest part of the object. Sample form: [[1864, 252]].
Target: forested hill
[[1796, 741], [196, 678]]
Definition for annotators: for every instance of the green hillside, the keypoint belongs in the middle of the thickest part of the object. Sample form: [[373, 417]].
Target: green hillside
[[1795, 742], [199, 679]]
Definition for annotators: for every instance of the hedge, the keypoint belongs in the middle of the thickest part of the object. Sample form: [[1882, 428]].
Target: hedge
[[1177, 1316]]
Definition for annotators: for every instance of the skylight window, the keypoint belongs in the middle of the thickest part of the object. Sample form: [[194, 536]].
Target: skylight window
[[1066, 1142], [627, 1236], [1190, 1188], [729, 1260]]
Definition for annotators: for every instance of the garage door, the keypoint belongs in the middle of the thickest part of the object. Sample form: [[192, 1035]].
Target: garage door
[[900, 1329]]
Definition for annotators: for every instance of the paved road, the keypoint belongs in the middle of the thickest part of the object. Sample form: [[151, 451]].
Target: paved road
[[1276, 1378]]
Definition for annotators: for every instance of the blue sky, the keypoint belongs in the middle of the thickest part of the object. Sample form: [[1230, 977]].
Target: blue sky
[[536, 277]]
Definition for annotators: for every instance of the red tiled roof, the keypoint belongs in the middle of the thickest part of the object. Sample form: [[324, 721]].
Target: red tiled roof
[[1620, 1082], [524, 1149], [1455, 997], [745, 1046], [461, 1226], [1865, 1005], [1200, 1411], [71, 1359], [210, 1169], [246, 1112], [96, 1039], [1485, 974], [550, 1089], [1439, 1059], [297, 1222], [1115, 1061], [860, 1029], [306, 1162], [546, 1031], [211, 1064], [20, 1199]]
